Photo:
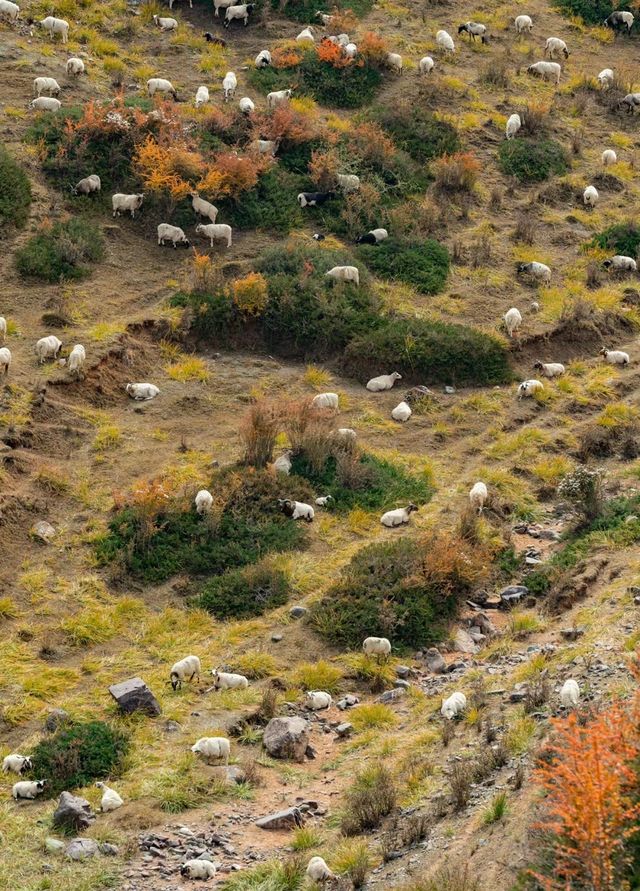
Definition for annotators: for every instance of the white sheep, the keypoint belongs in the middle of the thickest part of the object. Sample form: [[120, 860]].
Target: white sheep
[[219, 231], [512, 320], [550, 369], [553, 46], [88, 185], [143, 391], [324, 18], [351, 50], [615, 357], [202, 96], [513, 125], [240, 12], [474, 29], [161, 85], [198, 869], [426, 65], [16, 763], [203, 501], [394, 62], [185, 670], [203, 208], [631, 101], [315, 700], [263, 59], [318, 871], [397, 517], [56, 26], [445, 42], [453, 706], [283, 463], [229, 85], [523, 23], [225, 680], [296, 510], [165, 24], [324, 500], [46, 103], [546, 70], [9, 10], [376, 646], [344, 274], [383, 382], [246, 105], [590, 196], [76, 359], [402, 412], [221, 4], [478, 495], [620, 263], [539, 271], [306, 35], [3, 328], [48, 348], [348, 182], [608, 157], [46, 85], [126, 204], [529, 388], [570, 694], [174, 234], [265, 146], [606, 78], [278, 97], [326, 400], [5, 359], [110, 801], [29, 789], [211, 747]]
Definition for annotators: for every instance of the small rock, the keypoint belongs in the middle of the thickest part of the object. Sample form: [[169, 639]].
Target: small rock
[[455, 666], [572, 633], [311, 753], [392, 695], [43, 531], [133, 695], [286, 738], [435, 662], [550, 535], [291, 818], [344, 729], [109, 850], [521, 529], [276, 638], [401, 684], [633, 589], [347, 701], [55, 719], [297, 612], [450, 390], [73, 813], [517, 696], [82, 848], [403, 671], [234, 775], [171, 727], [53, 845], [463, 642], [532, 561]]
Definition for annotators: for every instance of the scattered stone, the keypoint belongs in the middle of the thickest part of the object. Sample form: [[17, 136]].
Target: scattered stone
[[572, 633], [449, 390], [291, 818], [550, 535], [133, 695], [82, 848], [517, 696], [53, 845], [344, 729], [347, 701], [171, 727], [463, 642], [297, 612], [633, 589], [55, 719], [401, 684], [521, 529], [109, 850], [73, 813], [286, 738], [403, 671], [392, 695], [311, 753], [513, 594], [532, 561], [276, 638], [455, 666], [234, 775], [435, 662], [43, 531]]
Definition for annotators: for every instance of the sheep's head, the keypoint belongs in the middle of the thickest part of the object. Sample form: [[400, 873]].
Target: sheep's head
[[396, 376], [604, 352], [100, 785], [607, 264], [411, 508], [175, 681], [27, 764], [461, 28], [537, 366], [40, 784]]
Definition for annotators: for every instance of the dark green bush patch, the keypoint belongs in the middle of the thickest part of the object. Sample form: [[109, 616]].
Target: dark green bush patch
[[305, 10], [622, 238], [532, 160], [415, 130], [244, 593], [593, 12], [422, 264], [79, 754], [62, 251], [15, 191], [272, 205]]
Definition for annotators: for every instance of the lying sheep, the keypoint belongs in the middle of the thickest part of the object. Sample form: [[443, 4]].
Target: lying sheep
[[550, 369], [523, 23], [474, 29], [426, 65], [263, 59], [225, 680], [17, 763], [203, 501], [512, 320], [185, 670], [318, 871], [202, 96], [620, 263], [198, 869], [344, 274], [513, 125], [219, 231], [48, 348], [546, 70], [88, 185], [142, 392], [453, 706], [296, 510], [229, 85], [315, 700], [126, 204], [45, 103], [609, 157], [9, 10], [445, 42], [76, 359], [110, 801], [394, 62], [306, 35], [324, 500], [5, 360], [529, 388], [631, 101], [570, 694], [314, 199], [46, 85], [376, 646], [240, 13], [246, 105], [165, 24], [28, 789], [478, 495], [539, 271], [554, 46], [615, 357], [203, 208], [174, 234], [347, 433], [326, 400], [383, 382], [402, 412], [397, 517], [265, 146], [210, 747], [351, 50], [590, 196], [606, 78], [161, 85], [278, 97], [54, 26], [374, 236], [283, 463], [348, 182]]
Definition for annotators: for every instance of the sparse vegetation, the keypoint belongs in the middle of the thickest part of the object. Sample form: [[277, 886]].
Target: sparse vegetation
[[15, 191], [371, 797]]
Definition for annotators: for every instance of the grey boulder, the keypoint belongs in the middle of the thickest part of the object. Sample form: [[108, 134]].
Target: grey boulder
[[286, 738], [133, 695], [73, 813]]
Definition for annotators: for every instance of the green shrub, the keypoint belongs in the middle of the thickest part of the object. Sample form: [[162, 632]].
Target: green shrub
[[416, 131], [243, 593], [532, 160], [593, 12], [305, 10], [274, 875], [61, 251], [15, 191], [77, 755], [372, 797], [622, 238], [271, 205], [423, 264]]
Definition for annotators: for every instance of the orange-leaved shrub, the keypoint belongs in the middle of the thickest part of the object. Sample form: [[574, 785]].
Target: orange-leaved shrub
[[457, 172]]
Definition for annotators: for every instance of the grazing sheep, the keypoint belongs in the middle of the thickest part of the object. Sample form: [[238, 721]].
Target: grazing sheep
[[143, 391], [324, 500], [224, 680], [185, 670], [283, 463], [402, 412], [620, 263], [536, 270], [48, 348], [17, 763], [550, 369], [394, 62], [296, 510], [126, 204], [9, 10], [318, 871], [217, 41], [165, 24], [615, 357], [111, 801], [263, 59], [546, 70], [314, 199], [202, 96], [28, 789], [324, 18], [317, 699], [513, 125], [306, 35], [351, 50], [3, 328], [529, 388], [619, 21], [215, 232], [397, 517], [203, 208], [570, 694], [374, 236], [631, 101], [46, 85], [76, 359], [88, 185], [478, 495], [590, 196], [606, 78], [161, 85], [56, 26], [46, 103], [383, 382], [5, 359], [555, 45], [445, 42], [344, 274], [453, 706], [279, 97], [523, 23], [238, 12], [426, 65], [211, 747], [474, 29], [347, 433], [512, 320], [348, 182], [609, 157], [221, 4], [326, 400], [203, 501], [229, 85], [265, 146], [174, 234], [246, 105], [198, 869], [376, 646]]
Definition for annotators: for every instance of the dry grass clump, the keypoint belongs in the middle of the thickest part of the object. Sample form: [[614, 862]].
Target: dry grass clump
[[259, 431], [457, 173], [372, 796]]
